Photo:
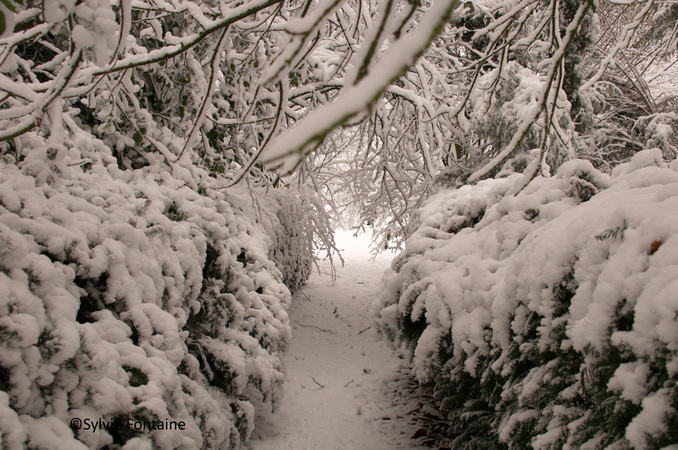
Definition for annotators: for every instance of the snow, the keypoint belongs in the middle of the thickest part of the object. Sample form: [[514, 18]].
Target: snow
[[336, 367], [288, 149], [573, 277], [140, 294]]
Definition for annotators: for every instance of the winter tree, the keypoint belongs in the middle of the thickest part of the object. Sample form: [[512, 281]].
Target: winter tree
[[211, 138]]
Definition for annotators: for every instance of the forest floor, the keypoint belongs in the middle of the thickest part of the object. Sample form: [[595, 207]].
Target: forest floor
[[345, 388]]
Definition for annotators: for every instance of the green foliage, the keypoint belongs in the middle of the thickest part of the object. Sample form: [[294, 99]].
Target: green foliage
[[210, 269], [3, 22], [11, 5], [469, 407], [5, 375], [120, 431], [242, 424], [92, 299], [411, 330], [612, 233], [12, 8], [175, 214], [137, 377]]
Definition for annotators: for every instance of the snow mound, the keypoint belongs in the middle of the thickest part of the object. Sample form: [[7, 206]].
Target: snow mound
[[139, 296], [547, 319]]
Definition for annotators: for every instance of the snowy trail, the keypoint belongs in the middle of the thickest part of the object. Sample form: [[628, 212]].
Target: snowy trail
[[337, 393]]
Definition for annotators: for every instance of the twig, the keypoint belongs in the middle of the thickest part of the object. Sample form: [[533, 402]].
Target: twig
[[361, 332], [314, 380], [313, 326]]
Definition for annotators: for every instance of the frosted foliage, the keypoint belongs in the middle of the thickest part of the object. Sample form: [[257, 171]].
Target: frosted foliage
[[550, 314], [293, 256], [139, 294]]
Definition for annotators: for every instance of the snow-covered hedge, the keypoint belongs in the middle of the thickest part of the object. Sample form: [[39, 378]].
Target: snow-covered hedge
[[548, 318], [292, 229], [138, 295]]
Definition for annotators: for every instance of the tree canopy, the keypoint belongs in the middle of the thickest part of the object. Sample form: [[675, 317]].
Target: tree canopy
[[372, 103]]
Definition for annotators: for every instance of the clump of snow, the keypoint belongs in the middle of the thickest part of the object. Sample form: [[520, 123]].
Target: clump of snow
[[139, 295], [547, 317]]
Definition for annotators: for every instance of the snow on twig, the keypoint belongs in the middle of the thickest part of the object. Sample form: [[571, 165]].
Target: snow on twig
[[289, 148]]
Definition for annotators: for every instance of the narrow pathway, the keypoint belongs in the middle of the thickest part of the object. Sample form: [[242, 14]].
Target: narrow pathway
[[339, 391]]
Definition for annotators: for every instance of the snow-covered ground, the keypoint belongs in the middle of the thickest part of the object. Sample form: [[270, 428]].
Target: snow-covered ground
[[338, 393]]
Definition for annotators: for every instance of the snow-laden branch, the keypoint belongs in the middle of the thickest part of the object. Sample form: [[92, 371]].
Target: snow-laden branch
[[288, 149], [41, 103], [536, 111], [303, 30], [182, 45], [624, 41]]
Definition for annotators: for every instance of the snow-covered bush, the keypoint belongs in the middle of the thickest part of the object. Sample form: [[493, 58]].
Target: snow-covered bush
[[138, 295], [548, 318], [293, 233]]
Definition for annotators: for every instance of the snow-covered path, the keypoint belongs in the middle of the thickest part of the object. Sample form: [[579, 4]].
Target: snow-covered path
[[338, 393]]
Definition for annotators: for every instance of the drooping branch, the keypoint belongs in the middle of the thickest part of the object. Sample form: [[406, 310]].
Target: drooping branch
[[542, 102], [291, 147]]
